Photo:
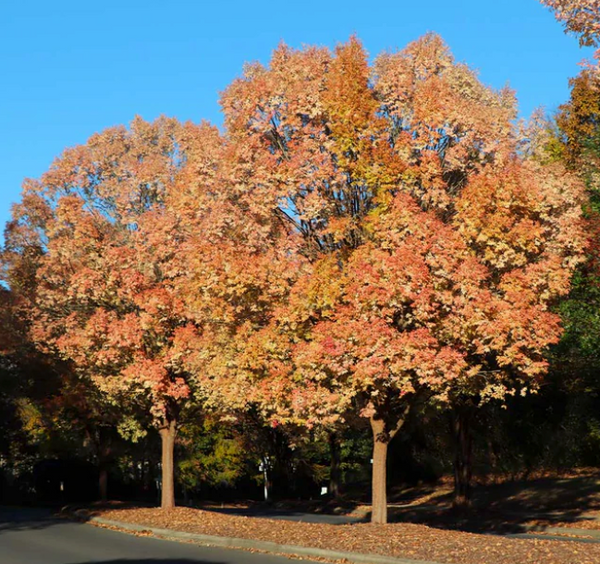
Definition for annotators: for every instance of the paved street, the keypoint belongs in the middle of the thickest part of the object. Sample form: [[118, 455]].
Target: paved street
[[32, 536]]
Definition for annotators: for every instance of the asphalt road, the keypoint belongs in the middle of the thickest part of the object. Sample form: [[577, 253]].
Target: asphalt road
[[32, 536]]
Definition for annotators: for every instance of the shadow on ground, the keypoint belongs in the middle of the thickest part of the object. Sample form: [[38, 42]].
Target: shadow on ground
[[509, 507], [506, 508], [26, 519], [286, 514]]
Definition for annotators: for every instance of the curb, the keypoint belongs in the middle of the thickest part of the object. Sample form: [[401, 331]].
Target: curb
[[266, 546], [591, 536], [593, 533]]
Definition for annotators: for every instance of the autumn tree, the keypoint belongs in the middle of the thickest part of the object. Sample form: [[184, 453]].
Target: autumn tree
[[578, 123], [96, 284], [580, 17], [577, 357], [10, 388], [430, 249], [153, 269], [10, 328], [578, 136]]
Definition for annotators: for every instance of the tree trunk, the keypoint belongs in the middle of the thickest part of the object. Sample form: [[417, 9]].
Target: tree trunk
[[104, 457], [167, 435], [384, 430], [379, 487], [462, 461], [103, 482], [335, 470]]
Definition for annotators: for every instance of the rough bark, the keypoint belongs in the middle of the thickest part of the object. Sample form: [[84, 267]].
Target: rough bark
[[463, 469], [335, 468], [167, 435]]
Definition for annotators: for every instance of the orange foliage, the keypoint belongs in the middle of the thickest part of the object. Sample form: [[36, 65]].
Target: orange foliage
[[99, 299], [581, 17], [358, 236], [434, 248]]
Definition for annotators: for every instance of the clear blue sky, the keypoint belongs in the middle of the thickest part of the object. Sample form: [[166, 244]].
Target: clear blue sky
[[71, 68]]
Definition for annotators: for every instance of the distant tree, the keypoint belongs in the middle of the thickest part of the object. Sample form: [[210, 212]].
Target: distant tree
[[578, 123], [211, 453], [577, 358]]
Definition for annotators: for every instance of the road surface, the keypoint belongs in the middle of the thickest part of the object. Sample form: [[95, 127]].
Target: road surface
[[32, 536]]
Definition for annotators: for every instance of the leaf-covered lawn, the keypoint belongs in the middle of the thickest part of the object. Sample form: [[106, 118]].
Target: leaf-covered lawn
[[398, 539]]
